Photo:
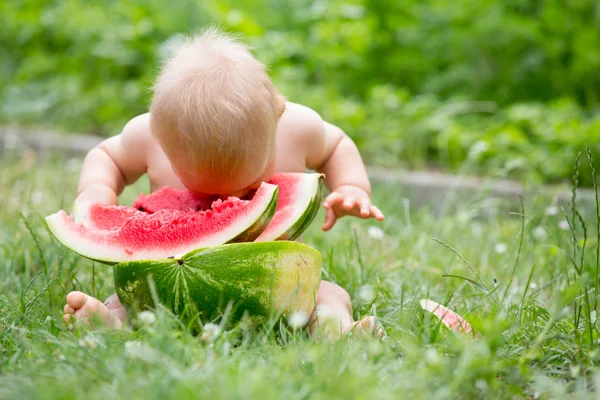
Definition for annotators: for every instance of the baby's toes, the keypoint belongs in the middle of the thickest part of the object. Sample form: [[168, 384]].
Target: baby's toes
[[84, 307], [68, 309], [76, 300], [67, 313], [369, 326]]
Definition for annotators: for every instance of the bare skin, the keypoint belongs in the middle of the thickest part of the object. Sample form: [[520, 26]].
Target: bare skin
[[303, 140]]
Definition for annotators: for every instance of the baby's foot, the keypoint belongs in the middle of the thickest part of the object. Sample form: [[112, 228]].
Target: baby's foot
[[82, 306], [367, 326], [336, 322]]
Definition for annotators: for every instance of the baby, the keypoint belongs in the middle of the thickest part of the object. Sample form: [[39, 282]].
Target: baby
[[217, 126]]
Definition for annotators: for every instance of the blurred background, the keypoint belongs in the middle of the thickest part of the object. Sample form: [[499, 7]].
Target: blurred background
[[501, 88]]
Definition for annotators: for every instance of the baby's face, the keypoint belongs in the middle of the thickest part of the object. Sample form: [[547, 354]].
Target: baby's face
[[209, 184]]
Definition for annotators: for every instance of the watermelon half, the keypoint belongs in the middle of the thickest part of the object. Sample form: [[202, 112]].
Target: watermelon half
[[255, 278], [117, 233]]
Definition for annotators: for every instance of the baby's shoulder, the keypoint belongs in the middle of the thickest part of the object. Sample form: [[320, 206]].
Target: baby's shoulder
[[136, 135], [138, 126], [299, 121]]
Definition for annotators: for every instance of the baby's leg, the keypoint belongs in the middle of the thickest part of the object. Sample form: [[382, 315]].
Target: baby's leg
[[334, 313], [110, 313]]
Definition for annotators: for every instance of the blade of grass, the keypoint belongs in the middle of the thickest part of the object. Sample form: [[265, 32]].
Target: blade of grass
[[521, 234]]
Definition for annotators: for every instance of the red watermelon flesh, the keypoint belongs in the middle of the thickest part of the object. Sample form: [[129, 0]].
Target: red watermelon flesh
[[115, 234], [172, 199], [165, 199], [298, 200]]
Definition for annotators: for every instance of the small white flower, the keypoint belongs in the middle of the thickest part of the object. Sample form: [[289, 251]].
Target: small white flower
[[210, 332], [500, 248], [539, 232], [533, 285], [89, 341], [375, 233], [552, 210], [147, 317], [140, 351], [366, 293], [131, 345], [463, 216], [564, 225], [481, 384], [575, 370], [298, 319], [37, 198], [432, 356]]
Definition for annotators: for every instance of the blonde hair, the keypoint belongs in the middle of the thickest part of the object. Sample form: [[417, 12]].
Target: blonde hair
[[214, 106]]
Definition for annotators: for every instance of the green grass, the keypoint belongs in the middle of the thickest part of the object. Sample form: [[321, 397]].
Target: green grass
[[527, 286]]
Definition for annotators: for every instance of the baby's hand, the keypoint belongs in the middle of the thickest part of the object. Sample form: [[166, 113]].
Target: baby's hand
[[349, 200], [98, 193]]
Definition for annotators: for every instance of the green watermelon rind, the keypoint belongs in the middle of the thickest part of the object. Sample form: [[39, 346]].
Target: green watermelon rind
[[315, 189], [254, 231], [309, 214], [259, 279]]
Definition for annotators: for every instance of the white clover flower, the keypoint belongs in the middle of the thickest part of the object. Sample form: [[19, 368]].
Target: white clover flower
[[366, 293], [131, 345], [481, 384], [552, 210], [210, 332], [89, 341], [463, 216], [138, 350], [298, 319], [564, 225], [432, 356], [539, 232], [147, 317], [500, 248], [375, 233]]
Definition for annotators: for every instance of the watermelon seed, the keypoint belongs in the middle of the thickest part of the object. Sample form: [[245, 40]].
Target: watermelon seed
[[180, 262], [140, 208], [171, 257]]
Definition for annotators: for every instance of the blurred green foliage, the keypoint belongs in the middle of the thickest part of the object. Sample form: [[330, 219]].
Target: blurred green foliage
[[502, 86]]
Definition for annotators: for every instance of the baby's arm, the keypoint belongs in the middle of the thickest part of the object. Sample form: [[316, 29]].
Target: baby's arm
[[115, 163], [330, 151]]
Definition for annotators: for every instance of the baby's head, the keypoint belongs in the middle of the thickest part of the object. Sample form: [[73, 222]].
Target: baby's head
[[214, 113]]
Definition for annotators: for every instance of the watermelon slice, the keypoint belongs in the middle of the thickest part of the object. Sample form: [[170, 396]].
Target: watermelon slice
[[256, 278], [300, 197], [117, 234]]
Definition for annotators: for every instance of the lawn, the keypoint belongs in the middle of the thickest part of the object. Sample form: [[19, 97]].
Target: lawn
[[524, 279]]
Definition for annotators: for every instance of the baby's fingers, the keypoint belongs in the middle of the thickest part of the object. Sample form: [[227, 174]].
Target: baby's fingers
[[376, 212], [349, 203], [364, 207], [332, 199], [330, 219]]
